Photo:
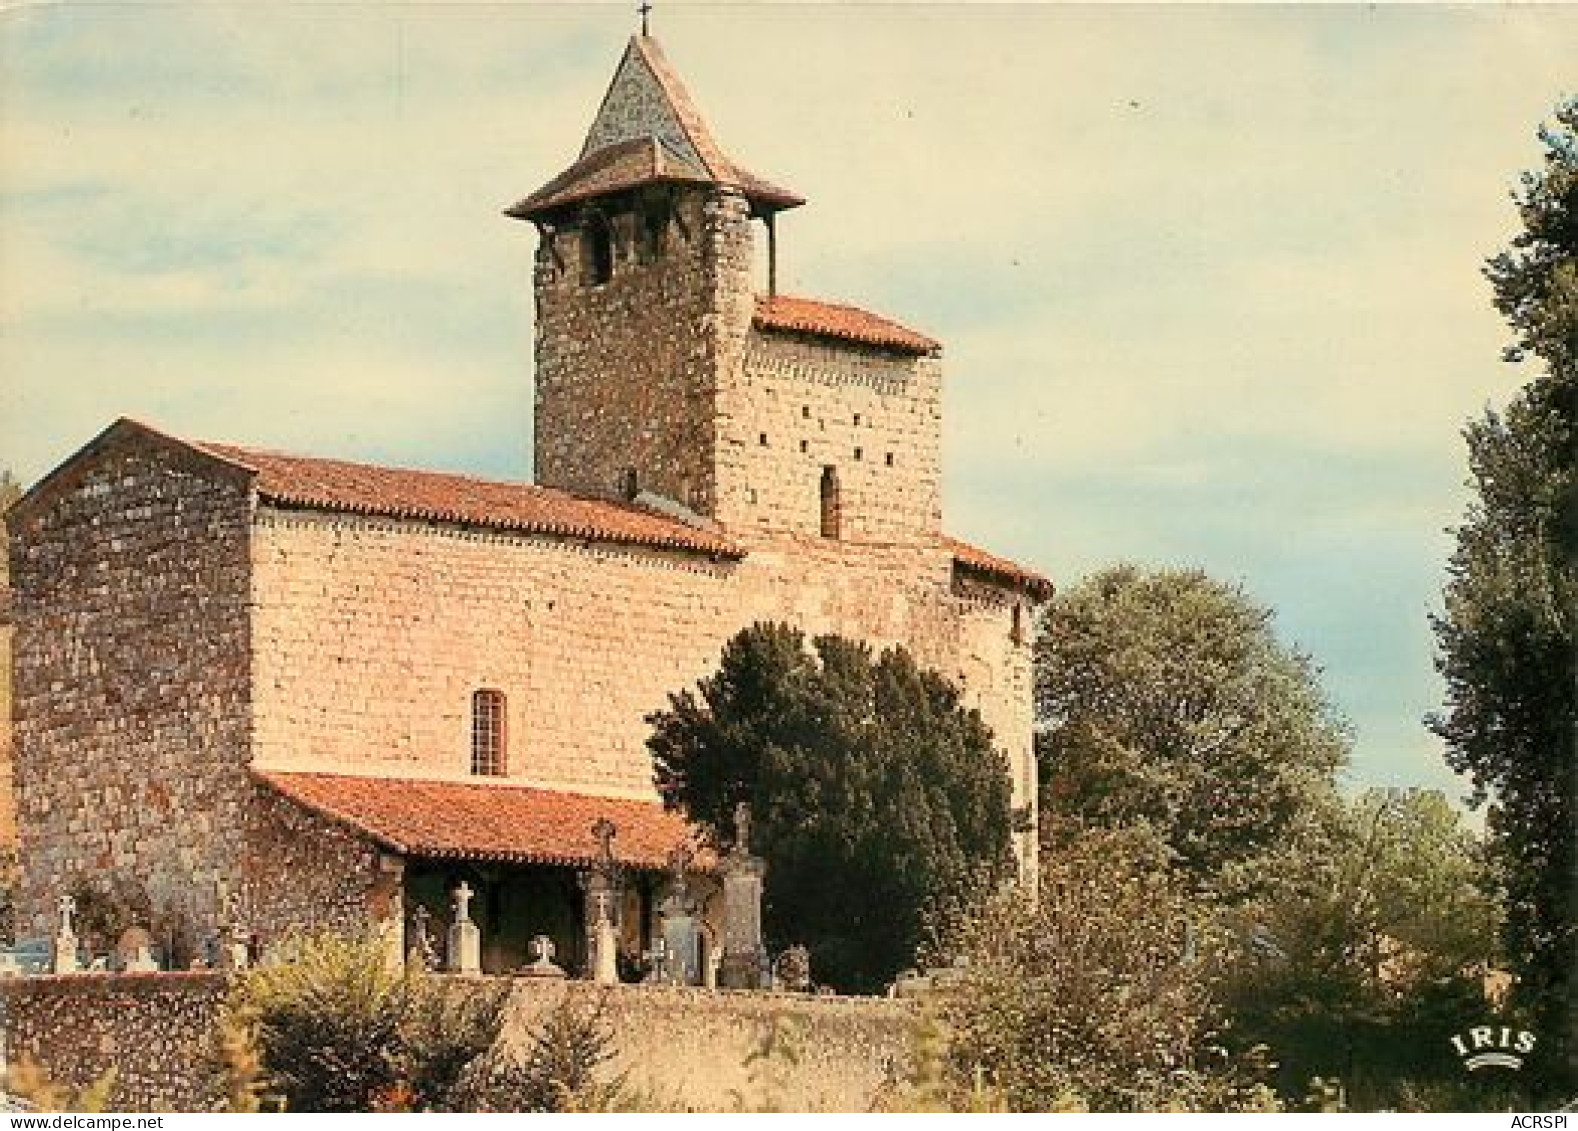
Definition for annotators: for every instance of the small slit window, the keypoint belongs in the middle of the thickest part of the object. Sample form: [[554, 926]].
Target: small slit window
[[629, 483], [830, 502], [1017, 632], [487, 733], [654, 230], [598, 248]]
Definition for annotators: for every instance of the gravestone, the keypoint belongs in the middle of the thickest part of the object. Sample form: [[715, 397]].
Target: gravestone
[[134, 951], [421, 953], [680, 935], [744, 957], [543, 966], [65, 953], [602, 886], [232, 953], [465, 939]]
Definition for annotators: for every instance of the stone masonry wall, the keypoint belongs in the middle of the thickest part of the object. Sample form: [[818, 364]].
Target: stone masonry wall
[[303, 872], [801, 405], [371, 635], [131, 678], [678, 1048], [624, 373], [155, 1031]]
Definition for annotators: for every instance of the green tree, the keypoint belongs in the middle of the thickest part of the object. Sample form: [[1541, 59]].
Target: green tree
[[1507, 643], [1099, 995], [1369, 951], [876, 797], [1165, 699]]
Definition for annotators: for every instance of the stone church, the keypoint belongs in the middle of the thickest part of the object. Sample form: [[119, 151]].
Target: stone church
[[314, 693]]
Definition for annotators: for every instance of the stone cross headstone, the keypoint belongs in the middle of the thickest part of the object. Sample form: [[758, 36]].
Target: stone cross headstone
[[233, 954], [744, 956], [465, 939], [543, 965], [657, 962], [421, 954], [602, 904], [65, 952], [680, 935]]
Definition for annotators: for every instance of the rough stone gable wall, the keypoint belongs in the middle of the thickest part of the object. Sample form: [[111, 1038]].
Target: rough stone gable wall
[[798, 405], [131, 679], [626, 368], [306, 873]]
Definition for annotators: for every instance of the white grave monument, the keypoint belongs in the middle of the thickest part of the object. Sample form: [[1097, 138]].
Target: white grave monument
[[66, 938], [465, 939]]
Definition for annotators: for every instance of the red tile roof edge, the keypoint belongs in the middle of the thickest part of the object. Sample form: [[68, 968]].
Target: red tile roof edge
[[977, 560], [306, 789], [835, 320], [597, 520]]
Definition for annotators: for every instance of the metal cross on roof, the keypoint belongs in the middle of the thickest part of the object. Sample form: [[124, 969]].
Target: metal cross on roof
[[645, 8]]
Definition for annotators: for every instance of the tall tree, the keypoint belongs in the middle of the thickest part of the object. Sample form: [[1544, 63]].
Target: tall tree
[[1507, 645], [1370, 949], [1165, 699], [1101, 994], [876, 796]]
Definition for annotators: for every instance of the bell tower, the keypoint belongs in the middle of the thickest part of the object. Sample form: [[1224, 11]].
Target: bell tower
[[643, 289]]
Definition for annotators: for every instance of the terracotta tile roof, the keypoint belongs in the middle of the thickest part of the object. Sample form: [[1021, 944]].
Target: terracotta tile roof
[[679, 145], [830, 320], [977, 560], [494, 821], [334, 485], [639, 161]]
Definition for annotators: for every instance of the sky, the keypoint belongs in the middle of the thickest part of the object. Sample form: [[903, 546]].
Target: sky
[[1207, 278]]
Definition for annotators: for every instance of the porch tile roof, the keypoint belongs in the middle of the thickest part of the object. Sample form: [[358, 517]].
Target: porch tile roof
[[492, 821]]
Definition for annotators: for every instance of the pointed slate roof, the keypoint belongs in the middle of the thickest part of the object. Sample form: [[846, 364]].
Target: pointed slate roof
[[648, 131]]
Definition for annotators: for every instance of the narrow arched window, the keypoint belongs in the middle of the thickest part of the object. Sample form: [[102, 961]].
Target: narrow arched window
[[487, 733], [630, 483], [830, 502], [597, 243]]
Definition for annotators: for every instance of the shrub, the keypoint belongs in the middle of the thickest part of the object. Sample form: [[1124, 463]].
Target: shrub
[[339, 1029], [1099, 994], [560, 1067]]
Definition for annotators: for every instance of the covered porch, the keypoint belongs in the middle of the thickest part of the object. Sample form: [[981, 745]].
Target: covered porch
[[521, 862]]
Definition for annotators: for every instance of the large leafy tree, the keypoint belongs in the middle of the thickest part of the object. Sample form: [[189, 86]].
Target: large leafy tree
[[877, 799], [1369, 950], [1099, 995], [1507, 641], [1165, 699]]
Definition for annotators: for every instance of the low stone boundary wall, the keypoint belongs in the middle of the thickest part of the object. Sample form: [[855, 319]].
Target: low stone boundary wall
[[692, 1049], [156, 1031], [676, 1047]]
